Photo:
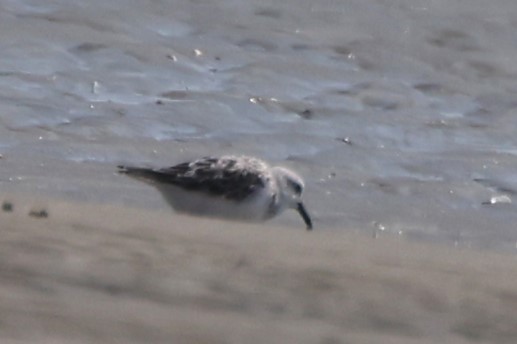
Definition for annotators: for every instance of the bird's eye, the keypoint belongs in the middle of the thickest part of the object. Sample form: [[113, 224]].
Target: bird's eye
[[297, 188]]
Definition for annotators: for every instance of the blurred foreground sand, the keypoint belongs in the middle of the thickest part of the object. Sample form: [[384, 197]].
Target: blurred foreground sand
[[96, 273]]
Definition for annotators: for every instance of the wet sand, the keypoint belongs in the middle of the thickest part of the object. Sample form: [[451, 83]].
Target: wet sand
[[398, 114], [107, 274]]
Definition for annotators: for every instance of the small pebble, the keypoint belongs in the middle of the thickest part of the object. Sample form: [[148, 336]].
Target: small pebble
[[40, 214], [7, 207], [307, 113], [344, 140], [172, 57], [500, 199]]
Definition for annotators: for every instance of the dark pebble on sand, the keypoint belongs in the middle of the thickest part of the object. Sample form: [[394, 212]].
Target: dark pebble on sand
[[40, 214], [7, 207], [307, 114]]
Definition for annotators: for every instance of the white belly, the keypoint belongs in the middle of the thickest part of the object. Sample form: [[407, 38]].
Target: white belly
[[196, 203]]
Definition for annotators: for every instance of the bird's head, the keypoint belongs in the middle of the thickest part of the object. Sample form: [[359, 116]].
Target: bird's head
[[291, 188]]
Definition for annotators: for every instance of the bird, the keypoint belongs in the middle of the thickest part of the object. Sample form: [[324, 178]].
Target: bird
[[231, 187]]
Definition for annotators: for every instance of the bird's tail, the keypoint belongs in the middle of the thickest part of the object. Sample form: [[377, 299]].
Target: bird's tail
[[127, 169], [137, 172]]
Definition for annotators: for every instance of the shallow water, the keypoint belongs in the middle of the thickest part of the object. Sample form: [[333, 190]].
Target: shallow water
[[400, 115]]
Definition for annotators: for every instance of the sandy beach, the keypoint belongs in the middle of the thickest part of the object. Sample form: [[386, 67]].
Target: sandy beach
[[107, 274]]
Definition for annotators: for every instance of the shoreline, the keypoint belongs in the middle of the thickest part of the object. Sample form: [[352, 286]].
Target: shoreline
[[113, 274]]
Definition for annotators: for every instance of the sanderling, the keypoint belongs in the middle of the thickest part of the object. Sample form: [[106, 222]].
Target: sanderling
[[231, 187]]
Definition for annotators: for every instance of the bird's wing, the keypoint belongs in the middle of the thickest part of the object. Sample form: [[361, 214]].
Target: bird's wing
[[212, 176]]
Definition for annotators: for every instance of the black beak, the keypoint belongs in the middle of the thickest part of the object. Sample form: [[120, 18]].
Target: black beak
[[305, 215]]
